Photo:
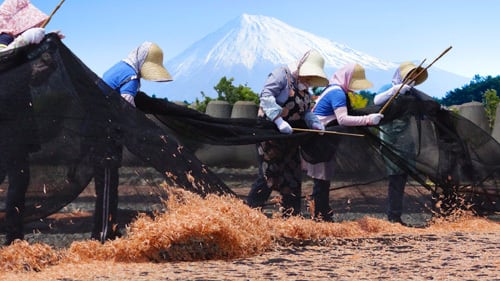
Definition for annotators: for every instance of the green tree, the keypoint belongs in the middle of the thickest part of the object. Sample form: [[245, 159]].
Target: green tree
[[471, 92], [490, 101], [201, 105], [226, 91]]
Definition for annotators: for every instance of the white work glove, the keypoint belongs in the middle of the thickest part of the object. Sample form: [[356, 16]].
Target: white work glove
[[129, 98], [403, 90], [283, 126], [30, 36], [319, 127], [374, 118]]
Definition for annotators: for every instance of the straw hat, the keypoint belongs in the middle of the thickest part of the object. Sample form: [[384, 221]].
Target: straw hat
[[358, 79], [17, 16], [153, 68], [407, 68], [311, 66]]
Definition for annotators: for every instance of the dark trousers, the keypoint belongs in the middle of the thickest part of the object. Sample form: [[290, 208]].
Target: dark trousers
[[395, 196], [15, 163], [105, 154], [321, 198], [106, 205], [259, 192], [279, 169]]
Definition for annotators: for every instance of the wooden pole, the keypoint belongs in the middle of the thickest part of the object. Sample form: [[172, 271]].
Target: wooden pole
[[405, 81], [412, 79], [327, 132], [414, 75], [44, 24]]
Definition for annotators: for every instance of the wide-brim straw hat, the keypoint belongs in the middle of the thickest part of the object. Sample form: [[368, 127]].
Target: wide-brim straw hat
[[17, 16], [312, 67], [153, 68], [358, 79], [407, 69]]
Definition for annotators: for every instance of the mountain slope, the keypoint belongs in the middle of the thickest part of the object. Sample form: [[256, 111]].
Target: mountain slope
[[250, 46]]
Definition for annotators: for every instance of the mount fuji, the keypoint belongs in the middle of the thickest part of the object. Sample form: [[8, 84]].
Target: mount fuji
[[249, 47]]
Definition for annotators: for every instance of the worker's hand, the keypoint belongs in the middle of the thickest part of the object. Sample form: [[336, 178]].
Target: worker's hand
[[32, 36], [283, 126], [374, 118], [403, 90], [318, 126]]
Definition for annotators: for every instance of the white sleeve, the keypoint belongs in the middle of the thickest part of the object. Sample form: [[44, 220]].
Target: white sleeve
[[381, 98]]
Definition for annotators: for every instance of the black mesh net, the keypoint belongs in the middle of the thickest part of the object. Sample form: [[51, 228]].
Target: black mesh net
[[73, 120], [445, 153], [66, 117]]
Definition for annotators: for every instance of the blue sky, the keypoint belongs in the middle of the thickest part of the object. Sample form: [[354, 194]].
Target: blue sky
[[101, 32]]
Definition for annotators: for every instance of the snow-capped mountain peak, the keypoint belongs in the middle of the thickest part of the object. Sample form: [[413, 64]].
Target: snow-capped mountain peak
[[250, 46], [250, 39]]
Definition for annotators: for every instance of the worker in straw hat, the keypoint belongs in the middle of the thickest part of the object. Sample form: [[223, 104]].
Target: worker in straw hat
[[404, 72], [20, 24], [146, 62], [397, 133], [333, 108], [285, 100]]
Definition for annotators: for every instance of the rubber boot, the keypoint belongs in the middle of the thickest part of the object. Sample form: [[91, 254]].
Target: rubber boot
[[321, 197], [395, 197]]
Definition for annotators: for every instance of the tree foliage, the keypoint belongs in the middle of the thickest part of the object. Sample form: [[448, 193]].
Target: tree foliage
[[474, 91], [490, 101], [226, 91], [201, 105]]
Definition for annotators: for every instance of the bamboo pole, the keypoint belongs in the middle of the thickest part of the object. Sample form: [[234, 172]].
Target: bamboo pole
[[414, 75], [405, 82], [44, 24], [412, 79], [328, 132]]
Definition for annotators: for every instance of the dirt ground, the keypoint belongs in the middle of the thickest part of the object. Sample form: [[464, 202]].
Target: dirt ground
[[421, 252], [453, 256]]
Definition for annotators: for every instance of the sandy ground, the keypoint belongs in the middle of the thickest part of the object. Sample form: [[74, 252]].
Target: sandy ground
[[393, 253], [454, 256]]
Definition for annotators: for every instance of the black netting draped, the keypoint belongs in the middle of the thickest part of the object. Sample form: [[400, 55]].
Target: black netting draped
[[72, 116], [65, 116], [439, 149]]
